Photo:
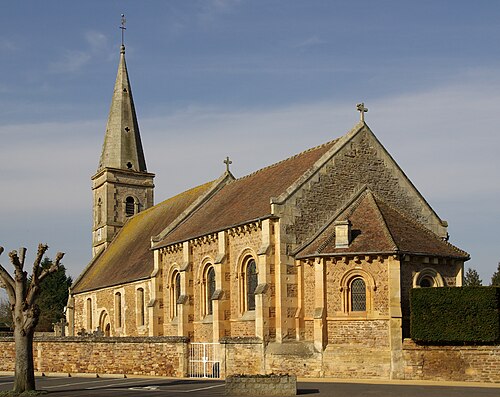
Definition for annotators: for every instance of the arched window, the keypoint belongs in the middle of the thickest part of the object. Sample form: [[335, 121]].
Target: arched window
[[210, 289], [140, 307], [89, 315], [118, 310], [175, 293], [428, 278], [250, 284], [129, 206], [426, 282], [358, 295]]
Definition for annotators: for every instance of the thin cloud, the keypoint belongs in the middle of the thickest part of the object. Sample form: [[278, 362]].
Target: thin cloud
[[309, 42], [73, 61]]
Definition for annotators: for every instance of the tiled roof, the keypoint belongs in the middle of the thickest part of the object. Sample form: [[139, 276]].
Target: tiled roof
[[377, 227], [247, 198], [129, 256]]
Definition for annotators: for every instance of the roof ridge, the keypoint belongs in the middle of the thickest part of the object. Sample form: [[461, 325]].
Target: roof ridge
[[417, 224], [288, 158]]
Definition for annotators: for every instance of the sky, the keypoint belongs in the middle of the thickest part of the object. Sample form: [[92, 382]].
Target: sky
[[255, 80]]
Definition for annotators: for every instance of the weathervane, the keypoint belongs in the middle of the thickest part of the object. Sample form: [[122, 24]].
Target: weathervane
[[123, 28], [227, 162], [362, 110]]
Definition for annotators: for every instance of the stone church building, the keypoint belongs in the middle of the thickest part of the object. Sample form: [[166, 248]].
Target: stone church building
[[310, 259]]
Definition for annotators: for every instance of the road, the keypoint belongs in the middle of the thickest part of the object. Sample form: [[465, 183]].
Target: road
[[140, 387]]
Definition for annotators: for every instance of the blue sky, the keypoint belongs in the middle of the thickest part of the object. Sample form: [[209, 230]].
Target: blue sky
[[256, 80]]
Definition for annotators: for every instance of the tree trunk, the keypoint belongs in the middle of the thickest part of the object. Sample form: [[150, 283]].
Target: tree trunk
[[25, 371]]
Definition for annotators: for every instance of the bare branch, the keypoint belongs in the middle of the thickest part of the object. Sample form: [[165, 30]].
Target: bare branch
[[1, 250], [22, 256], [8, 284], [53, 268], [14, 259], [42, 248]]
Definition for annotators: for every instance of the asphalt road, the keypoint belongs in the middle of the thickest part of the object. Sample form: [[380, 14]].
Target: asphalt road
[[140, 387]]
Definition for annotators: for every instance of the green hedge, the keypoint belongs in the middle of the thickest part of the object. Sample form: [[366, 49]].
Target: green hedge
[[455, 315]]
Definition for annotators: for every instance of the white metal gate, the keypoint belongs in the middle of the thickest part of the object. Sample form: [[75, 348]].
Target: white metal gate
[[204, 360]]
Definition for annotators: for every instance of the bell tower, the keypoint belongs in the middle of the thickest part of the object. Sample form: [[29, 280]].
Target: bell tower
[[122, 186]]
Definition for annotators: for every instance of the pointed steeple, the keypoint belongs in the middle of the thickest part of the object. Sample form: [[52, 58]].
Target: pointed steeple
[[122, 148], [121, 187]]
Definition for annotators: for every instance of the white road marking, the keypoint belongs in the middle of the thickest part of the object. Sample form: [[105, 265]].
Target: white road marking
[[119, 384], [166, 390]]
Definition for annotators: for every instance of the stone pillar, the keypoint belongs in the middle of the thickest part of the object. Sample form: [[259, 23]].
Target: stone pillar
[[261, 297], [319, 304], [153, 305], [183, 307], [70, 315], [220, 302], [280, 285], [395, 318]]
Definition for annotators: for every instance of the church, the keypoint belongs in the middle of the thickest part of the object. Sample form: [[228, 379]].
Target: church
[[310, 259]]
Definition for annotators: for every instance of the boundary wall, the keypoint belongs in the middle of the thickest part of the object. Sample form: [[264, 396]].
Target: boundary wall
[[169, 356]]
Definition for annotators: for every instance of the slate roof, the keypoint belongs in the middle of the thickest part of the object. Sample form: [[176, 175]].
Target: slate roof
[[377, 227], [129, 256], [247, 198]]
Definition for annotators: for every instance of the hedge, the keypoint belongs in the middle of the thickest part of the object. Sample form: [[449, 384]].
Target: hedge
[[455, 315]]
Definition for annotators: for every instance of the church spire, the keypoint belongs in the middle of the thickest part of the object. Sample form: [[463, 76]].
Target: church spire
[[121, 187], [122, 148]]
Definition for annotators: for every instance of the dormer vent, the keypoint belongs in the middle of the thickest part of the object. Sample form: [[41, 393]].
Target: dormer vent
[[342, 234]]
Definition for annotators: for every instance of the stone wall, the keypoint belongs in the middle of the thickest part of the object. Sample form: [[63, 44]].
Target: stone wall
[[162, 356], [103, 310], [273, 385], [451, 363], [168, 356]]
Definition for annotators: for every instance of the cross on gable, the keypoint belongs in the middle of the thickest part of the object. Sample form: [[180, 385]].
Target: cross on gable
[[227, 162], [362, 110]]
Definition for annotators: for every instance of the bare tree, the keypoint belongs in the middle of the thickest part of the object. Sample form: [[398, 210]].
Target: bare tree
[[23, 292]]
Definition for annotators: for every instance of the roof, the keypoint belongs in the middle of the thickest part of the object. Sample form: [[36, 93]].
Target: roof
[[122, 148], [378, 227], [247, 198], [129, 256]]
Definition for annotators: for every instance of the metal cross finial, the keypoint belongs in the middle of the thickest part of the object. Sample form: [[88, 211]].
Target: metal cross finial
[[227, 162], [362, 110], [123, 28]]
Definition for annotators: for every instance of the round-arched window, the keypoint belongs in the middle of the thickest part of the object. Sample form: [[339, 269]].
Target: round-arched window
[[358, 295]]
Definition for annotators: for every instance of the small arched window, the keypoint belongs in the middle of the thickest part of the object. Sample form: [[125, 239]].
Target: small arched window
[[129, 206], [175, 293], [140, 307], [89, 314], [210, 287], [358, 295], [118, 309], [250, 284]]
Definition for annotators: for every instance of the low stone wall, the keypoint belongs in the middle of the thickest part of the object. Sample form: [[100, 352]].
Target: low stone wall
[[451, 363], [161, 356], [264, 385], [169, 356]]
